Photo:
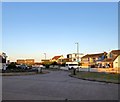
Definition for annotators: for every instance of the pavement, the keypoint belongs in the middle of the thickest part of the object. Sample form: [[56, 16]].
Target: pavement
[[56, 85]]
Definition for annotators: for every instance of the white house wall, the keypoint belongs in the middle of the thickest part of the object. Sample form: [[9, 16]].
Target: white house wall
[[116, 63], [0, 66]]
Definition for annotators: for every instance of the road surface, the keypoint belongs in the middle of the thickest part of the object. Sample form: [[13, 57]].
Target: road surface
[[56, 85]]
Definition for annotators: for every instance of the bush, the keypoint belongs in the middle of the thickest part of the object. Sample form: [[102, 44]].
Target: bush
[[12, 66], [63, 64]]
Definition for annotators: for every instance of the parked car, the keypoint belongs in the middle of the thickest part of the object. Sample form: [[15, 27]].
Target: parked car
[[72, 65], [23, 66]]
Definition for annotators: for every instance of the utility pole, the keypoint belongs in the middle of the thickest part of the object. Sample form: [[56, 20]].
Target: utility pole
[[77, 51], [45, 55]]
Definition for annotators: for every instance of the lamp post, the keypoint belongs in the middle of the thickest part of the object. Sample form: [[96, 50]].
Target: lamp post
[[77, 51], [45, 55]]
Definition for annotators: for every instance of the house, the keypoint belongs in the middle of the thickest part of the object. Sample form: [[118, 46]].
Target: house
[[45, 60], [58, 59], [66, 60], [25, 61], [90, 60], [75, 57], [29, 62], [0, 63], [3, 58], [116, 62], [20, 61], [112, 59]]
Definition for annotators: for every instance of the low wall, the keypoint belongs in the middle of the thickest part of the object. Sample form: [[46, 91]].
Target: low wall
[[106, 70], [84, 67], [54, 66], [1, 66], [109, 70], [64, 68]]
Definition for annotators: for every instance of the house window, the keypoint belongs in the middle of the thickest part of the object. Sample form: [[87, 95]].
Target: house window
[[110, 55], [93, 59], [88, 59], [67, 56]]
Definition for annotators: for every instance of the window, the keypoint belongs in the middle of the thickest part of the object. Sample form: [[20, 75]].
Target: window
[[88, 59]]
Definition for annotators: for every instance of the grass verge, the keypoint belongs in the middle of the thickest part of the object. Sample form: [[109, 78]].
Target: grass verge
[[23, 73], [97, 76]]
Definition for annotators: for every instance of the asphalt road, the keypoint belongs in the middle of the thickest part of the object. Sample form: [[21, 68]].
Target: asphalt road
[[56, 85]]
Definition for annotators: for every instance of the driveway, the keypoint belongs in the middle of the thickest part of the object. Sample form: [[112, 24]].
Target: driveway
[[56, 85]]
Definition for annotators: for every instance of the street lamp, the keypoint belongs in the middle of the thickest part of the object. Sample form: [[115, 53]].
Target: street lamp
[[77, 51], [45, 55]]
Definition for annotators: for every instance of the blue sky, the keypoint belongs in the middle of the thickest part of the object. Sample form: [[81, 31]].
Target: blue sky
[[32, 29]]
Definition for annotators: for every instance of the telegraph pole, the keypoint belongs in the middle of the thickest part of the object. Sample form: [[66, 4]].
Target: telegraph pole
[[77, 51], [45, 55]]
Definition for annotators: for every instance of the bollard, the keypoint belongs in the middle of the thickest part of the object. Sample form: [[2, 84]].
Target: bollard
[[74, 71], [89, 69], [40, 70]]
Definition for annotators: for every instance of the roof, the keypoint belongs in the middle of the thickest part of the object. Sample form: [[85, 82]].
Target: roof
[[29, 59], [45, 60], [94, 55], [20, 60], [110, 59], [115, 52], [56, 57], [76, 53]]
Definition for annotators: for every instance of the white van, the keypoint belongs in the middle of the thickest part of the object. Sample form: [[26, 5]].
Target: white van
[[72, 65]]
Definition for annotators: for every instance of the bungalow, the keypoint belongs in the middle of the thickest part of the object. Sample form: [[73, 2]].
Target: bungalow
[[90, 60], [58, 59]]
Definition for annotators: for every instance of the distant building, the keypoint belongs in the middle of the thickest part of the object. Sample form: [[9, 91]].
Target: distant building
[[26, 61], [20, 61], [29, 61], [45, 60], [37, 63], [75, 57]]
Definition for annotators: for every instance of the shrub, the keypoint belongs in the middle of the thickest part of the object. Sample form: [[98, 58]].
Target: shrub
[[12, 66]]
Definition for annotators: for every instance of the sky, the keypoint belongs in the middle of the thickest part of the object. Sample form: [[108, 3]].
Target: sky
[[30, 29]]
